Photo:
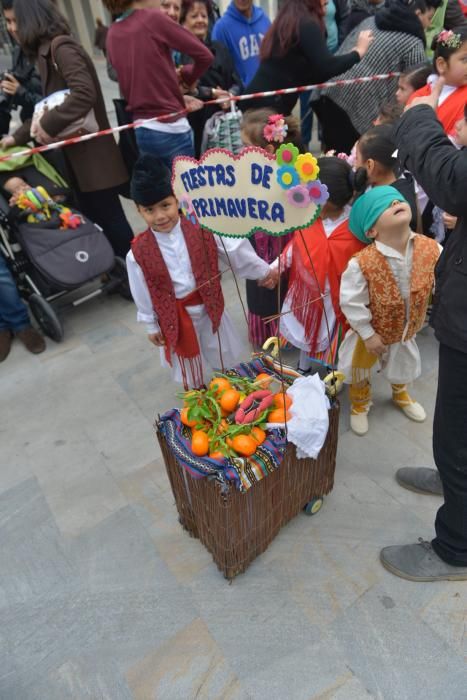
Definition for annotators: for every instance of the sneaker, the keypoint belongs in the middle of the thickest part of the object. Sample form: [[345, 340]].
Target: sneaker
[[419, 562], [32, 340], [359, 423], [6, 337], [420, 480]]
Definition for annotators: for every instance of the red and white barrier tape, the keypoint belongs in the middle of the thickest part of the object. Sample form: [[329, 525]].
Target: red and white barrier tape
[[174, 115]]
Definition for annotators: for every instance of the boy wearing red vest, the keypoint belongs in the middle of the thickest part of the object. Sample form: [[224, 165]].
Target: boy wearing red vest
[[384, 295], [173, 269]]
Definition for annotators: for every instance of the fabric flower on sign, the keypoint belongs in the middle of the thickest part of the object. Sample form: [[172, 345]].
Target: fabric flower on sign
[[287, 177], [298, 196], [286, 154], [318, 192], [307, 167]]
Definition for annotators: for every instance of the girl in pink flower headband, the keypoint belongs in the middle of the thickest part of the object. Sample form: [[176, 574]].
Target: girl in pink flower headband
[[450, 63], [265, 129]]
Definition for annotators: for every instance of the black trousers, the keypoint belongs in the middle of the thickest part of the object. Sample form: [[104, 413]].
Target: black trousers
[[105, 209], [338, 132], [450, 452]]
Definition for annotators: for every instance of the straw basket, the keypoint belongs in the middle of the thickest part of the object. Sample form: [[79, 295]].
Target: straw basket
[[236, 527]]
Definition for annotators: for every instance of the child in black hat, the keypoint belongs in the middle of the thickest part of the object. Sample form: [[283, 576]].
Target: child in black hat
[[173, 268]]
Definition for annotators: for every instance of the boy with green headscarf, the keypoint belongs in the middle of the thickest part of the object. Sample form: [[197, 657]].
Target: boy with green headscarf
[[384, 295]]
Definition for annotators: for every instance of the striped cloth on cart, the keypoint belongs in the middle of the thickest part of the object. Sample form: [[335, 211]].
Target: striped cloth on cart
[[242, 472]]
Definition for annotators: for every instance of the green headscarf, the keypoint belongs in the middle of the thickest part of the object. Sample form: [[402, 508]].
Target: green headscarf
[[369, 207]]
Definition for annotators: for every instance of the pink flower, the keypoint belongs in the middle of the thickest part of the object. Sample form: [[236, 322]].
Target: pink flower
[[269, 132], [298, 196], [274, 118]]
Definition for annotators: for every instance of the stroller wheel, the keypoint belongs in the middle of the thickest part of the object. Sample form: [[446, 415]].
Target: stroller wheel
[[119, 272], [46, 317]]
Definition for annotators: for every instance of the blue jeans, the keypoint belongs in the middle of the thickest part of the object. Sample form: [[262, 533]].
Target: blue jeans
[[164, 146], [13, 312]]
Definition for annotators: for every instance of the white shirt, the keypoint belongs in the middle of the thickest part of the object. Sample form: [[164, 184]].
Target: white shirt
[[245, 263]]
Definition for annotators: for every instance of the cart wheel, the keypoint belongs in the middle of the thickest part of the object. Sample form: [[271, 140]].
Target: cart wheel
[[46, 317], [313, 506]]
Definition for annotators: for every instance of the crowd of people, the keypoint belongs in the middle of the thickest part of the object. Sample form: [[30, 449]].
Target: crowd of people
[[393, 164]]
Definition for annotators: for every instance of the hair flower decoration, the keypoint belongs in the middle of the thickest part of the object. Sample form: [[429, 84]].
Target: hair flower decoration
[[287, 177], [307, 167], [319, 193], [298, 196], [186, 207], [276, 129], [286, 154], [449, 39]]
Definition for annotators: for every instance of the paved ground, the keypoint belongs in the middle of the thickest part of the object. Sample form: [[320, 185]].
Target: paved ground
[[104, 597]]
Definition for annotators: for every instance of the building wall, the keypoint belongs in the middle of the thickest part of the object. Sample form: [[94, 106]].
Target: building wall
[[82, 16]]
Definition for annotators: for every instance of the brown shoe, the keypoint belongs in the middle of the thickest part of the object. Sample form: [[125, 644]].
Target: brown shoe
[[32, 340], [6, 337]]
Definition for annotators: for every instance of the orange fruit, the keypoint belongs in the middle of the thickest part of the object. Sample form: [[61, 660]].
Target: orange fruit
[[219, 384], [185, 420], [229, 400], [282, 400], [245, 445], [199, 443], [216, 455], [263, 380], [258, 434], [278, 415]]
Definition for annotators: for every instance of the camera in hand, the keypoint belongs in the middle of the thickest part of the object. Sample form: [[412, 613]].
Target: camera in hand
[[5, 100]]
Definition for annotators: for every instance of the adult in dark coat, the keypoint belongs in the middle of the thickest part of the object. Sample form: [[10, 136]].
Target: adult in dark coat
[[96, 168], [441, 170]]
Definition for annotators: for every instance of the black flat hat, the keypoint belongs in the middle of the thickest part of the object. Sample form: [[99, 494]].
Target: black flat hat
[[151, 181]]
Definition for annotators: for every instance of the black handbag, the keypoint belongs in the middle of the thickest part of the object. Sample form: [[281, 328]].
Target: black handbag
[[127, 139]]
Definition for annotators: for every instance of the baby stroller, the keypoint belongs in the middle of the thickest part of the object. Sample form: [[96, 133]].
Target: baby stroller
[[47, 261]]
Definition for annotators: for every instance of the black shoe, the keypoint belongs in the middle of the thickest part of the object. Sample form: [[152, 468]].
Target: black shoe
[[32, 340], [6, 338]]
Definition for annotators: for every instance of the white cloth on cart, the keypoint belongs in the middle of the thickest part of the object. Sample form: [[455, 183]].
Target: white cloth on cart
[[309, 424]]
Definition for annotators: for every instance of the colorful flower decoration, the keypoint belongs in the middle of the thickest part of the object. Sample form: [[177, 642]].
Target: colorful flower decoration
[[449, 39], [186, 207], [286, 154], [307, 167], [276, 129], [287, 177], [319, 193], [298, 196]]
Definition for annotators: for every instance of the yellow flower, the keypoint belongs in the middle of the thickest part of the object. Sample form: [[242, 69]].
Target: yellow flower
[[306, 166]]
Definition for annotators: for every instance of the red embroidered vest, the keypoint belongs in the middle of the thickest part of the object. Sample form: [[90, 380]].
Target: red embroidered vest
[[388, 308], [202, 250]]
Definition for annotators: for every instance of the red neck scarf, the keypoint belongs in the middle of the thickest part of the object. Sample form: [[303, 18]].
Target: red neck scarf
[[174, 320], [315, 258], [451, 110]]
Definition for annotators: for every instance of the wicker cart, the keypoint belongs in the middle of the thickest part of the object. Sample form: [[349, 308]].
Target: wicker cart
[[236, 527]]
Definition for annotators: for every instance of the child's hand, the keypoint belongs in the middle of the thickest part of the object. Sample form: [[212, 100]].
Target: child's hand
[[270, 281], [157, 339], [375, 345]]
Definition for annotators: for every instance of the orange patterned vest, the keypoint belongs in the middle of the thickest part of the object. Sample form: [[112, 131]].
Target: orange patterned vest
[[388, 308]]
